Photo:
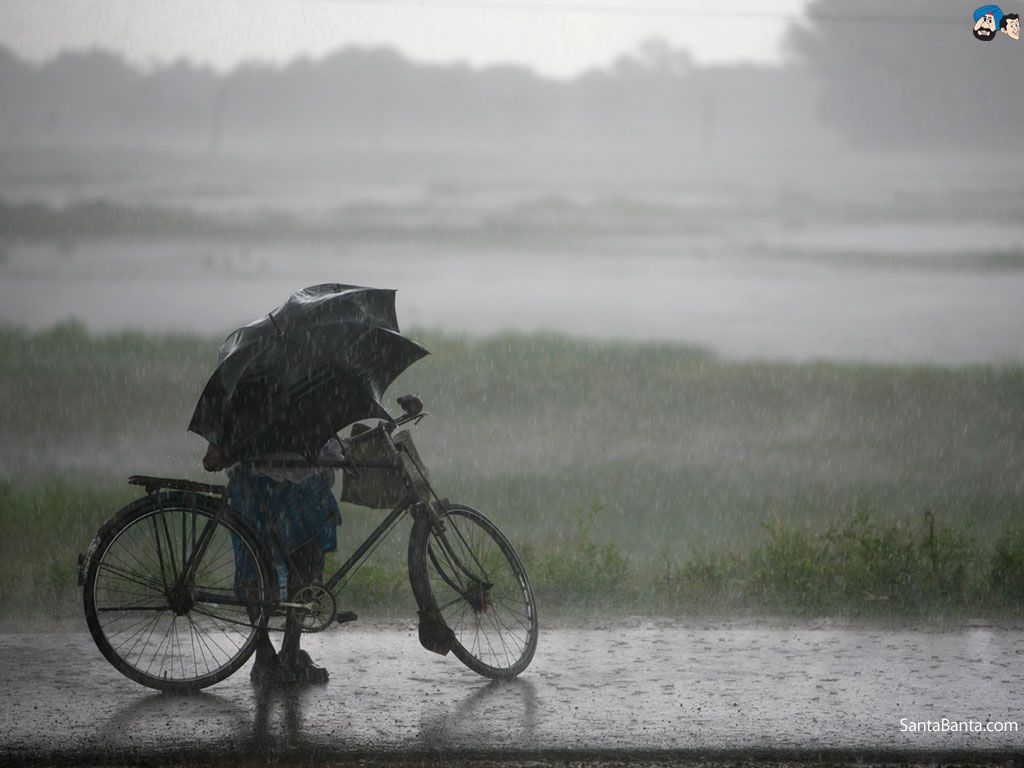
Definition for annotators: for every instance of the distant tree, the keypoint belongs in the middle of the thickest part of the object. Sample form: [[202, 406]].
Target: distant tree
[[909, 74], [376, 97], [656, 57]]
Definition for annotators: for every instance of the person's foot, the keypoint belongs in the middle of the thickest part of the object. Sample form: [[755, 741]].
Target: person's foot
[[264, 669], [305, 671], [271, 671]]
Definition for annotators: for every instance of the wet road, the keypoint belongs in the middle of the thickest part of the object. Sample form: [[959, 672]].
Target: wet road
[[634, 687]]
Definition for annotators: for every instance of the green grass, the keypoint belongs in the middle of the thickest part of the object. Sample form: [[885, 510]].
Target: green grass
[[44, 528], [860, 567], [640, 476]]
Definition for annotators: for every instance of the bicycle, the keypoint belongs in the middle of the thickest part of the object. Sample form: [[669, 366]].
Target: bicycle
[[166, 607]]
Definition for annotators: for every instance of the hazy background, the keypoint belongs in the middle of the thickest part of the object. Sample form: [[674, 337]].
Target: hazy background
[[685, 270], [856, 199]]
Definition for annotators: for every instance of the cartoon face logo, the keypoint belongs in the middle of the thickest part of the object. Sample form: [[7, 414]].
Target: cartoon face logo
[[987, 19], [1010, 26]]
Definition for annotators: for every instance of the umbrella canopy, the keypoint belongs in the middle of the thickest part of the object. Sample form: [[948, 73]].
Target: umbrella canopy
[[310, 367]]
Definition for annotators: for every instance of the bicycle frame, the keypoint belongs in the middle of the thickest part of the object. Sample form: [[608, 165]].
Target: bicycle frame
[[408, 504], [414, 502], [378, 533]]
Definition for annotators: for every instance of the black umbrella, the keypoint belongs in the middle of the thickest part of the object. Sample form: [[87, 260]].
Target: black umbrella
[[312, 366]]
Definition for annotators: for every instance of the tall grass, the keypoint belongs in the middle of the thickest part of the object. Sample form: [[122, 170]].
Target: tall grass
[[859, 566], [643, 476], [44, 527]]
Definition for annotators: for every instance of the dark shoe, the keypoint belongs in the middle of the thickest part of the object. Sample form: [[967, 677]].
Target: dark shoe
[[306, 671], [271, 671], [264, 668]]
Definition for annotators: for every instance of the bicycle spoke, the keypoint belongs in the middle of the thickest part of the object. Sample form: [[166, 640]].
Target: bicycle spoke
[[192, 644], [505, 629], [451, 602], [165, 639], [152, 628], [207, 639], [215, 619], [147, 567], [132, 577], [193, 633], [514, 610], [145, 621], [106, 609], [504, 645]]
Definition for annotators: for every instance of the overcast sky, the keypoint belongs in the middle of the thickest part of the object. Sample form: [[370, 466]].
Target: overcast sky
[[555, 37]]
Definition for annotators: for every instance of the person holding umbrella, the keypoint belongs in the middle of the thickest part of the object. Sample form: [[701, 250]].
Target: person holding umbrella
[[285, 385], [296, 504]]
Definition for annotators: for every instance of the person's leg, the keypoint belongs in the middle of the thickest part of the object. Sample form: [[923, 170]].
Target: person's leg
[[264, 648], [265, 666], [247, 497], [300, 575], [306, 568]]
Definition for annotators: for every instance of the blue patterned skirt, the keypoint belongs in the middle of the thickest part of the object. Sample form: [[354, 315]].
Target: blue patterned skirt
[[284, 514]]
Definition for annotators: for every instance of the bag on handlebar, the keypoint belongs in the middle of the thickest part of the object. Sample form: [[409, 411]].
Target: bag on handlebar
[[384, 487], [376, 487]]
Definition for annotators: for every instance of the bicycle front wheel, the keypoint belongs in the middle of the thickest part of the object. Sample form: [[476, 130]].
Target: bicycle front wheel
[[465, 569], [164, 598]]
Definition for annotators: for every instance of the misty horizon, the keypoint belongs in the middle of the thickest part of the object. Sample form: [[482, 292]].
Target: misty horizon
[[255, 62], [818, 208], [559, 40]]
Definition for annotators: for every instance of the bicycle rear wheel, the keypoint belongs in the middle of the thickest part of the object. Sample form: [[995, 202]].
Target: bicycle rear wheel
[[161, 596], [467, 571]]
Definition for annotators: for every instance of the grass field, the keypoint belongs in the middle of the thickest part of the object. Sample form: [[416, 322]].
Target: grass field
[[638, 477]]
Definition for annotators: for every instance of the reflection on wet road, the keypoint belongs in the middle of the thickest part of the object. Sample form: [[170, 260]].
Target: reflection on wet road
[[632, 686]]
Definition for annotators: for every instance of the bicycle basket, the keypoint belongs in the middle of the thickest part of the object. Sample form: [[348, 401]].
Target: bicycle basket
[[376, 487]]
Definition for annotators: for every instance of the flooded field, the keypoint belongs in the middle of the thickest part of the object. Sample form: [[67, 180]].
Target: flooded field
[[741, 303], [916, 260]]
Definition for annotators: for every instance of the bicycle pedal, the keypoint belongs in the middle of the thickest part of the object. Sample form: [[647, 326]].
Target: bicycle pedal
[[344, 617]]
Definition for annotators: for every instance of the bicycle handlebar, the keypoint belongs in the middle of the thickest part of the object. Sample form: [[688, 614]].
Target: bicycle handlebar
[[411, 404], [413, 407]]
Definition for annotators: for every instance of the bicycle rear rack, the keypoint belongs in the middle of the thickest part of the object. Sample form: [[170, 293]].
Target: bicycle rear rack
[[154, 484]]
